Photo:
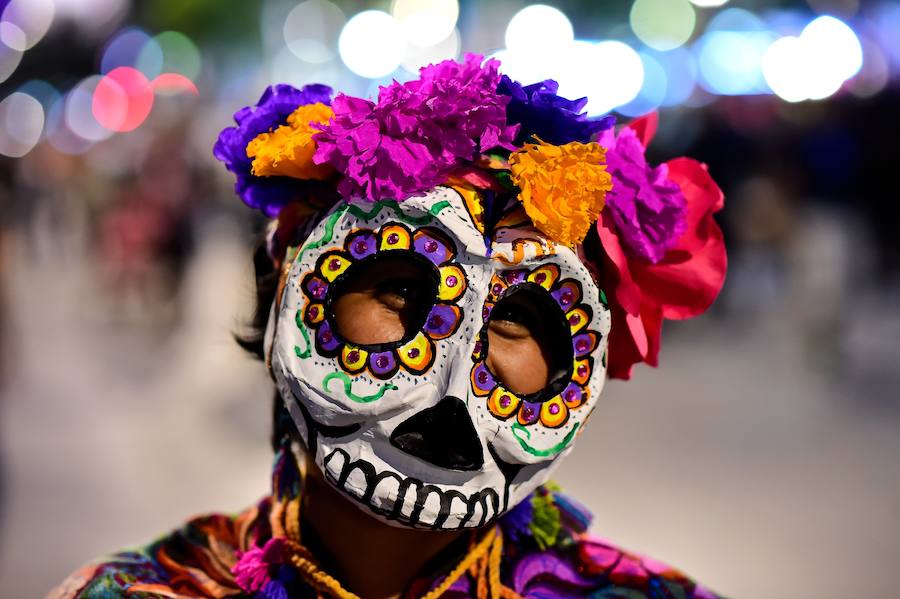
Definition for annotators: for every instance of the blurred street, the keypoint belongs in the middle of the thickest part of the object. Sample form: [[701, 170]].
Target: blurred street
[[736, 460]]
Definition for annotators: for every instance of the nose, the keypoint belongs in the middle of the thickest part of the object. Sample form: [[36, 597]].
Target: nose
[[442, 435]]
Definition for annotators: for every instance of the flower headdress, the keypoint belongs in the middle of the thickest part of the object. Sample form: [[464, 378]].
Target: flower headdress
[[647, 232]]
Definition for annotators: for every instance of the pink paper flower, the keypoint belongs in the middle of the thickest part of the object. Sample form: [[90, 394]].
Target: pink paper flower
[[418, 132]]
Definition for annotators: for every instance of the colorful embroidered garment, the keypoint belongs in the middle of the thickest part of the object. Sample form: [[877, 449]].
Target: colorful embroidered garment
[[546, 553]]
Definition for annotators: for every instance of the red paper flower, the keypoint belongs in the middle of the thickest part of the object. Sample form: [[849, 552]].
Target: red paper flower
[[681, 285]]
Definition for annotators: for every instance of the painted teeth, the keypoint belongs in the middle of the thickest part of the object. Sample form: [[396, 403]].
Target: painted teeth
[[334, 465], [406, 500]]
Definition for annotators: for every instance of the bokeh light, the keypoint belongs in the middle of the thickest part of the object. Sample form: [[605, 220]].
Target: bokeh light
[[132, 47], [169, 52], [619, 81], [663, 24], [372, 44], [652, 92], [814, 65], [173, 83], [537, 29], [835, 46], [58, 132], [735, 19], [784, 68], [312, 28], [875, 72], [418, 57], [731, 61], [11, 37], [122, 99], [708, 3], [426, 22], [32, 17], [92, 17], [681, 71], [21, 124], [79, 112]]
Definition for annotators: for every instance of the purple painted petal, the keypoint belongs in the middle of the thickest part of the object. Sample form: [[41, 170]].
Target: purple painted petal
[[442, 320]]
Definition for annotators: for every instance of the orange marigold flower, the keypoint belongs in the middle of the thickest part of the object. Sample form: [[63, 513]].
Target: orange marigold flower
[[563, 188], [288, 150]]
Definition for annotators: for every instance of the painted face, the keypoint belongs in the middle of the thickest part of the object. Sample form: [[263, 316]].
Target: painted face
[[421, 423]]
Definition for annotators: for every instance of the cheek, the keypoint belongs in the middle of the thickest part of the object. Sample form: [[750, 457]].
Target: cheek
[[519, 363], [363, 319]]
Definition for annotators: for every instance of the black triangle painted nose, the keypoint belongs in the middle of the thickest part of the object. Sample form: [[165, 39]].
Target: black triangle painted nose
[[442, 435]]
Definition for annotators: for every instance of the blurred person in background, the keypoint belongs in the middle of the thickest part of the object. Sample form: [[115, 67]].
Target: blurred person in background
[[449, 275]]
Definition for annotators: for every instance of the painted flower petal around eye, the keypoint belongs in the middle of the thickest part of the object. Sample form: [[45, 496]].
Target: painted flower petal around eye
[[529, 413], [452, 283], [434, 246], [581, 371], [327, 342], [545, 276], [442, 321], [417, 355], [361, 244], [394, 237], [503, 403], [384, 364], [574, 395], [554, 413], [353, 359], [483, 381], [314, 314], [585, 343], [568, 294], [333, 264], [578, 319]]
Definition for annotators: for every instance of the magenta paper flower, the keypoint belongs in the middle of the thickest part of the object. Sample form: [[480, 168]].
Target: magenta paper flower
[[648, 208], [418, 132]]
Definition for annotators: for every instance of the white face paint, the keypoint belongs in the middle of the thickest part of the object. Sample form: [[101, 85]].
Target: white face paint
[[420, 432]]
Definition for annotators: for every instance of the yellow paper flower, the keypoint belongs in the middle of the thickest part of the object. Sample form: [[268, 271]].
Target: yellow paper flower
[[288, 151], [563, 188]]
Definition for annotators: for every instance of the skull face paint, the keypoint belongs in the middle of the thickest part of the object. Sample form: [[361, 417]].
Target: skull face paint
[[419, 430]]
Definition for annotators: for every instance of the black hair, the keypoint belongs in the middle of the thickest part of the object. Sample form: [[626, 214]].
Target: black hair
[[252, 337]]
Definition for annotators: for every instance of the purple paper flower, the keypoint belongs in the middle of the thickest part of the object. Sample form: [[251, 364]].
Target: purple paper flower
[[554, 119], [268, 194], [418, 131], [648, 209]]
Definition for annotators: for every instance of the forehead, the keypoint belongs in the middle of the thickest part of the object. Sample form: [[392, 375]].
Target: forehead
[[496, 230]]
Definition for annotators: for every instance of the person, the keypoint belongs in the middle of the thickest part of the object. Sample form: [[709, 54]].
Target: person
[[449, 275]]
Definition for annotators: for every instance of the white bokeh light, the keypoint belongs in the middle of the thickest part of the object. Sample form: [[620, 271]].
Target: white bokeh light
[[708, 3], [784, 68], [21, 124], [832, 42], [610, 74], [426, 22], [79, 112], [372, 44], [538, 28], [418, 57], [311, 29], [814, 65], [33, 17]]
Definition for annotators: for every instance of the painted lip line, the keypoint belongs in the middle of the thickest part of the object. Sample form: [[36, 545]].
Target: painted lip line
[[404, 498]]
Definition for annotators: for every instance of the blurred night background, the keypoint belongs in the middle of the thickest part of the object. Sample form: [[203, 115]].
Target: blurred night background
[[762, 457]]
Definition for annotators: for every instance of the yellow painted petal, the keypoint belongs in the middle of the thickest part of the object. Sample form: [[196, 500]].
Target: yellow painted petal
[[333, 265], [581, 371], [395, 237], [503, 403], [554, 413], [353, 359], [453, 283], [578, 319], [545, 276], [315, 313], [417, 355]]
